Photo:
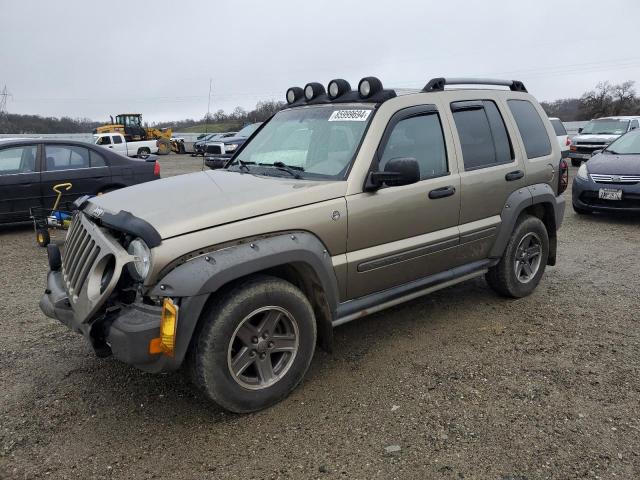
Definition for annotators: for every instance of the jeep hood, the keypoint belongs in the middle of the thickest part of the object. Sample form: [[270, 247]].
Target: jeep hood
[[185, 203]]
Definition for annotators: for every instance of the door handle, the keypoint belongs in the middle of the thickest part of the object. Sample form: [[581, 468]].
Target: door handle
[[442, 192], [511, 176]]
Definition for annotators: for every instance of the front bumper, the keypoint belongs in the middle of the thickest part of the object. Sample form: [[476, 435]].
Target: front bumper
[[217, 161], [585, 196], [578, 155], [125, 333]]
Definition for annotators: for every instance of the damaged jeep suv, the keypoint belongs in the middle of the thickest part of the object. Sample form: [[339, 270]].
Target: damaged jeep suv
[[344, 203]]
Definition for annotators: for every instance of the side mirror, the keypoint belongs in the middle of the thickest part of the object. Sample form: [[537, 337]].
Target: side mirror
[[580, 130], [596, 152], [397, 172]]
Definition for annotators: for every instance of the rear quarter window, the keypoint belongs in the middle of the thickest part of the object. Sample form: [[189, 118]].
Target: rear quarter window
[[532, 130], [558, 127]]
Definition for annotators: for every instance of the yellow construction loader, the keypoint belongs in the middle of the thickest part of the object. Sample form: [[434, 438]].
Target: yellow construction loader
[[130, 125]]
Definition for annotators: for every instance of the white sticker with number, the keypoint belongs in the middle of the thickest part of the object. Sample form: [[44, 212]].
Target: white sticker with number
[[349, 115]]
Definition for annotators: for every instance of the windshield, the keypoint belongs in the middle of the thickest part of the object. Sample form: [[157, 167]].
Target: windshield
[[248, 130], [605, 127], [319, 141], [628, 144]]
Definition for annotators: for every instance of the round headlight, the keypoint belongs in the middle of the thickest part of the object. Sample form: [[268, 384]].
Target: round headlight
[[338, 87], [312, 90], [141, 254], [369, 86], [308, 92], [365, 88], [294, 94]]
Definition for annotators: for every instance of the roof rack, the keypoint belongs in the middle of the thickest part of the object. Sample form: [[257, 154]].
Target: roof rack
[[438, 84]]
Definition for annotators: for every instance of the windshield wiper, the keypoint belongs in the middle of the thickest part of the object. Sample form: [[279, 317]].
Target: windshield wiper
[[290, 169], [245, 165]]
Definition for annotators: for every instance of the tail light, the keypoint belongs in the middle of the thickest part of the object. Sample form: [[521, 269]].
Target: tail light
[[568, 142], [563, 176], [156, 169]]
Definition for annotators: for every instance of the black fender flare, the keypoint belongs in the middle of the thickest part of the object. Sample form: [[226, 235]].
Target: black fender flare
[[518, 201], [195, 280]]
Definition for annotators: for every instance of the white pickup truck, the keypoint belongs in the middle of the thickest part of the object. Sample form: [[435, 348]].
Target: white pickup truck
[[118, 142]]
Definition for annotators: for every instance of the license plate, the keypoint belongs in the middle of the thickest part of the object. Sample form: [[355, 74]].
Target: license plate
[[610, 194]]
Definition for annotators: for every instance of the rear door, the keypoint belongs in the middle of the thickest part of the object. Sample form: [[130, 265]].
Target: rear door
[[491, 166], [399, 234], [118, 145], [19, 182], [84, 169]]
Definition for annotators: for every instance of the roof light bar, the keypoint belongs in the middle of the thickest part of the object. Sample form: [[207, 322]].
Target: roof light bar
[[294, 94], [313, 90], [337, 88]]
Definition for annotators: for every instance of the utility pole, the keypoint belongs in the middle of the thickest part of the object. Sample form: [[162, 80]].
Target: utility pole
[[206, 123], [4, 95]]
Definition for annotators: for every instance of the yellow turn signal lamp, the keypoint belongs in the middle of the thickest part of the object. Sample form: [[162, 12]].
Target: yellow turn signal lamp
[[166, 342]]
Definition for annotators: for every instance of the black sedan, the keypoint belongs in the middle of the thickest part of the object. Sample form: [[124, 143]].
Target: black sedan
[[30, 168], [610, 180]]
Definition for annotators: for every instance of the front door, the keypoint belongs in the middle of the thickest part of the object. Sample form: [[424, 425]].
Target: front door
[[19, 182], [86, 171], [399, 234]]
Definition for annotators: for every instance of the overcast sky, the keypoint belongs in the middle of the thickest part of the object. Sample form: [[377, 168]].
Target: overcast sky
[[91, 59]]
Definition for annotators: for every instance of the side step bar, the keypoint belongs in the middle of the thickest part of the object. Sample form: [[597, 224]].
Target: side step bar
[[375, 302]]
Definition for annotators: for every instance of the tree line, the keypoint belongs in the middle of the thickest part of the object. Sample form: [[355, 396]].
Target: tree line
[[605, 99]]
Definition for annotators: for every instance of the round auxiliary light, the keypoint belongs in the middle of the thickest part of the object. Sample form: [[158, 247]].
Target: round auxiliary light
[[338, 87], [294, 94], [369, 86], [312, 90]]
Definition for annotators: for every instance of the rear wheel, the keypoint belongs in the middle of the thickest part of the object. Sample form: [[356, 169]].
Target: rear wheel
[[576, 163], [143, 152], [524, 260], [254, 345]]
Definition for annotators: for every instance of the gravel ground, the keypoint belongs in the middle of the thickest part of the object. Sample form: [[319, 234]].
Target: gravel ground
[[459, 384]]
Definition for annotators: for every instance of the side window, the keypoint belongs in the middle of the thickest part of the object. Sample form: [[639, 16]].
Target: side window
[[117, 139], [106, 140], [483, 136], [97, 160], [558, 127], [534, 134], [419, 137], [66, 157], [18, 160]]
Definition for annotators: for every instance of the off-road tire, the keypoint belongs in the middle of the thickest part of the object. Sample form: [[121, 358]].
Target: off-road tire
[[208, 354], [581, 211], [576, 163], [502, 277]]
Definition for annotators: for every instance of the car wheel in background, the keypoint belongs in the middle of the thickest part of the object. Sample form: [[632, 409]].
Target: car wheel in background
[[254, 344], [524, 260], [143, 153]]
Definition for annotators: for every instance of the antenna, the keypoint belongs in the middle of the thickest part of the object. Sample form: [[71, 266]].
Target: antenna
[[4, 95]]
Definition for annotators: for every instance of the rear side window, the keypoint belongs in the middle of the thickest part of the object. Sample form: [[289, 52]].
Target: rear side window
[[97, 160], [18, 160], [66, 157], [117, 139], [558, 127], [483, 135], [418, 137], [534, 134]]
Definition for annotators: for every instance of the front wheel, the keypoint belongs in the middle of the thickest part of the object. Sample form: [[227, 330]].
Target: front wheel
[[524, 260], [254, 345]]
